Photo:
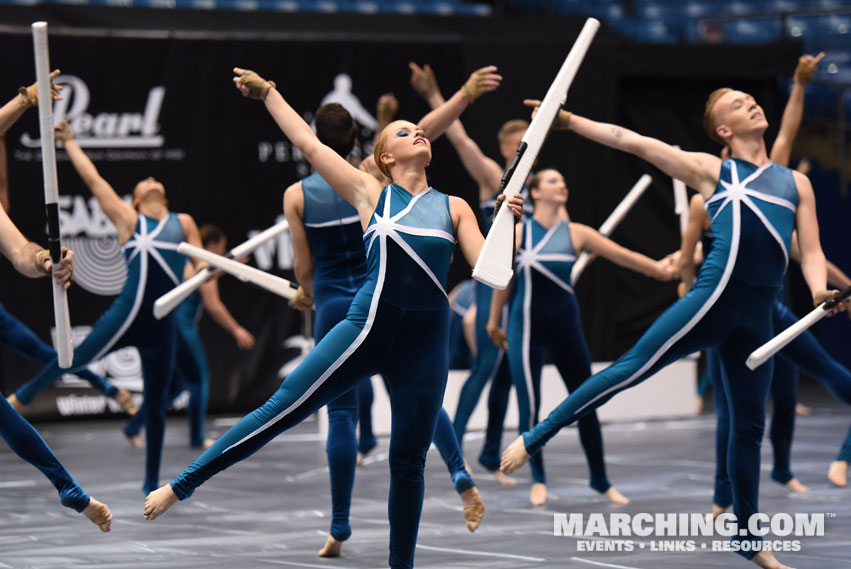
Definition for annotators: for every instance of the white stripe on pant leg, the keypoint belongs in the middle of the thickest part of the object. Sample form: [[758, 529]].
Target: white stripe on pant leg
[[710, 302], [370, 320], [527, 329]]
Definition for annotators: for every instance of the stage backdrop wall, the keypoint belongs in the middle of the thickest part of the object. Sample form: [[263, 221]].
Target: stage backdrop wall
[[164, 106]]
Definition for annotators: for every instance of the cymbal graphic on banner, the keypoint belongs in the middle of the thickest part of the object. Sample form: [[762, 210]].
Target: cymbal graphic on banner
[[98, 266]]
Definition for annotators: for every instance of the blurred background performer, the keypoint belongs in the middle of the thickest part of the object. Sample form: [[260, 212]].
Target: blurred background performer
[[149, 235]]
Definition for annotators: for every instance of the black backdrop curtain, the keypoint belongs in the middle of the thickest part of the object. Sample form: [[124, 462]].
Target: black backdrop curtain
[[163, 105]]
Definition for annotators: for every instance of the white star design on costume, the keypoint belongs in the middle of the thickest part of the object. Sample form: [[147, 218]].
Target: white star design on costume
[[532, 258], [387, 226], [740, 193]]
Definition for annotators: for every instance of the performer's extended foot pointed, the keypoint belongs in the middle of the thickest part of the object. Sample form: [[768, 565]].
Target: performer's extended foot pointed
[[838, 473], [538, 494], [514, 456], [99, 514], [474, 507], [796, 486], [159, 501], [333, 547], [615, 497]]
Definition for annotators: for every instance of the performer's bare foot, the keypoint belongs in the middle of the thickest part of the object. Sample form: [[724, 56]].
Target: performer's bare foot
[[125, 399], [502, 479], [794, 485], [616, 497], [207, 443], [159, 501], [136, 441], [698, 405], [803, 410], [15, 402], [538, 495], [717, 511], [474, 507], [360, 458], [766, 560], [514, 456], [333, 548], [838, 473], [99, 514]]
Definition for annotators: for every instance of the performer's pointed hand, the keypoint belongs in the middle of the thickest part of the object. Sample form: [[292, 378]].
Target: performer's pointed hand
[[562, 121], [423, 80], [29, 95], [251, 85], [481, 81], [807, 65]]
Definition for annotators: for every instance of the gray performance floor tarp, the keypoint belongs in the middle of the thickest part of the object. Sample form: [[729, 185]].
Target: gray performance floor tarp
[[272, 510]]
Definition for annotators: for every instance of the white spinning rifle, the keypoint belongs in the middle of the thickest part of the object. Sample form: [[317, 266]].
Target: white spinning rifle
[[612, 222], [761, 354], [170, 300], [277, 285], [62, 319], [494, 266]]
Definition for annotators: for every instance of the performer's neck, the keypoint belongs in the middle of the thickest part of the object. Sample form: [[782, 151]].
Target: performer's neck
[[154, 210], [547, 214], [413, 180], [750, 148]]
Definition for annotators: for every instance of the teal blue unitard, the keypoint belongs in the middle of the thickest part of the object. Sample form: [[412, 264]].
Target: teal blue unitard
[[153, 264], [543, 320], [191, 373], [336, 242], [752, 213], [397, 325]]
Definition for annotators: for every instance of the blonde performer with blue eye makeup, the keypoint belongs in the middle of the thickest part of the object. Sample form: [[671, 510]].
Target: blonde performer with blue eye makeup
[[398, 322]]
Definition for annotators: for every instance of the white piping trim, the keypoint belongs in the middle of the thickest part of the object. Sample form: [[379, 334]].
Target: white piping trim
[[527, 327], [137, 302], [768, 225], [359, 339], [335, 222]]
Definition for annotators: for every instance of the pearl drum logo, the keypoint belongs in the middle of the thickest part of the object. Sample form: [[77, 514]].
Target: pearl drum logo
[[106, 129]]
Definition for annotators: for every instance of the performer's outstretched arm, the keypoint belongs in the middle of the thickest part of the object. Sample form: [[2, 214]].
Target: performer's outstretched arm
[[119, 212], [27, 97], [485, 171], [698, 170], [358, 188], [481, 81], [813, 262], [585, 237], [31, 259], [781, 151]]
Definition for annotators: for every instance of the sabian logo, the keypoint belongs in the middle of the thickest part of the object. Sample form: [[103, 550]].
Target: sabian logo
[[105, 130]]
